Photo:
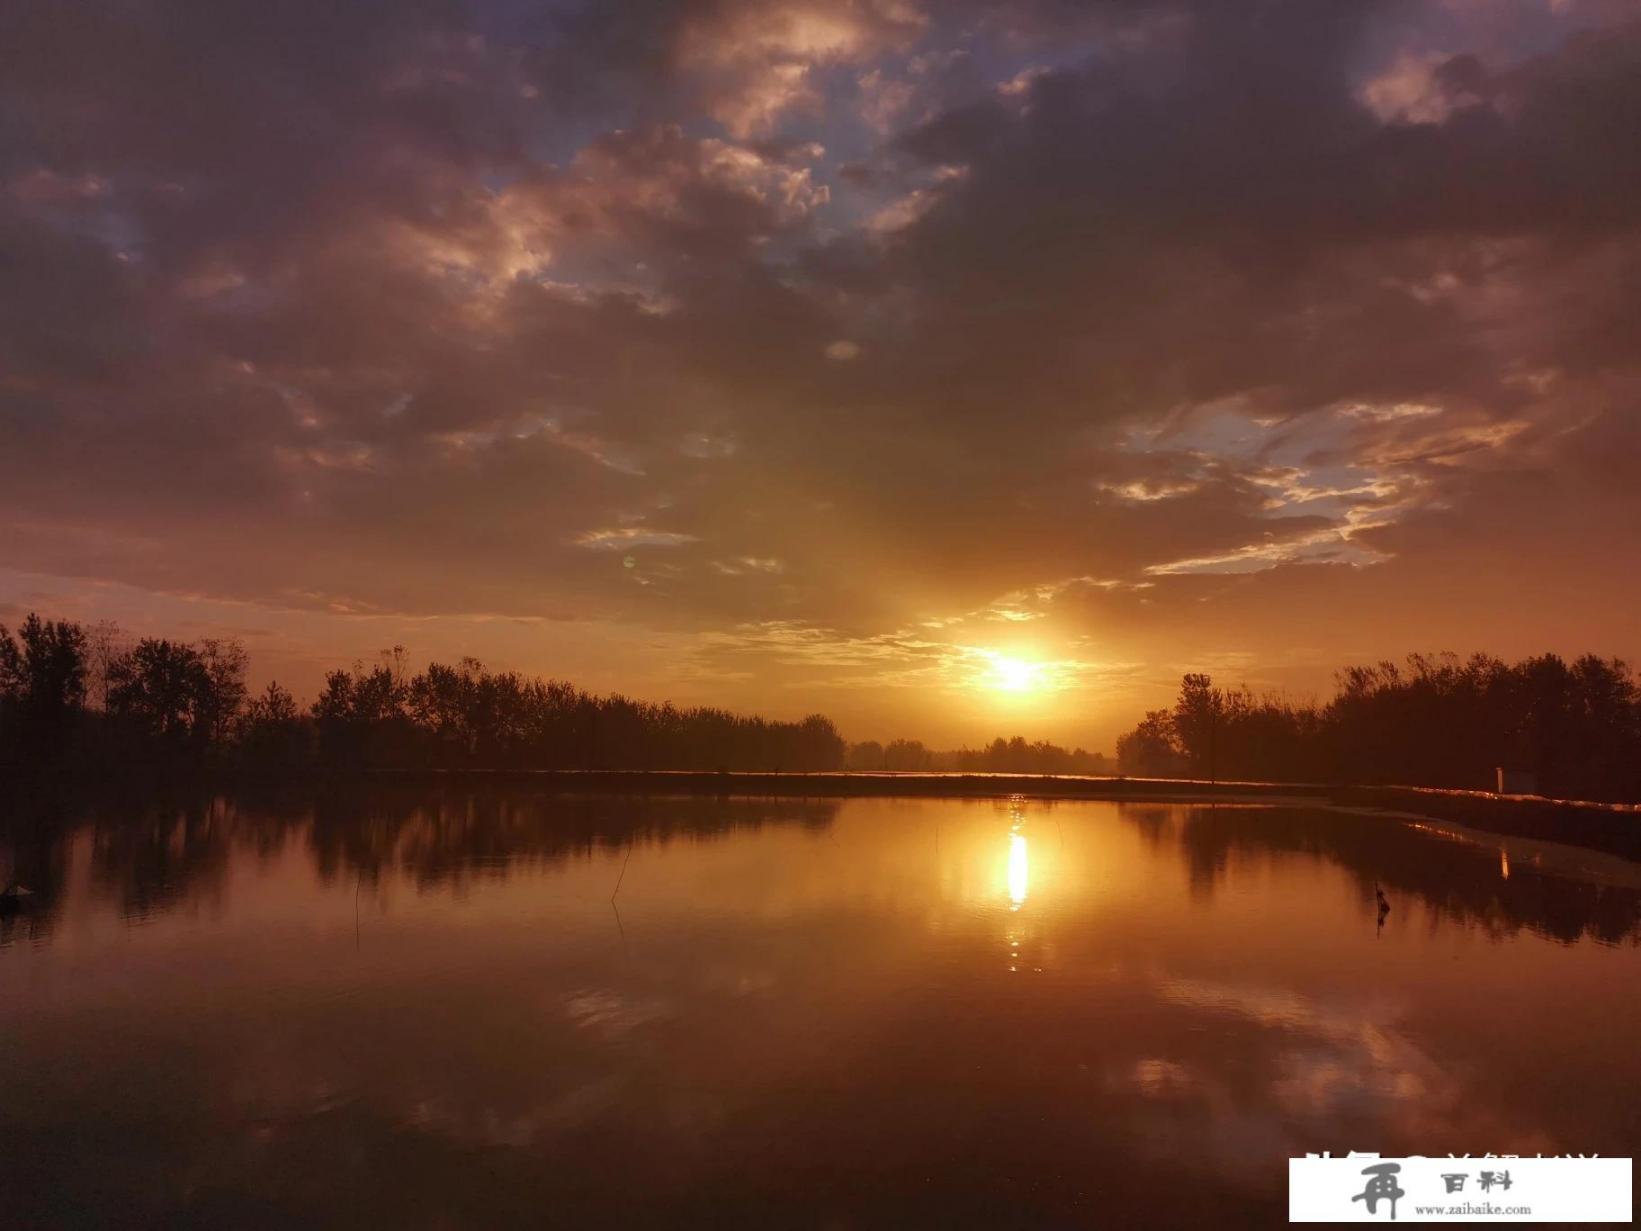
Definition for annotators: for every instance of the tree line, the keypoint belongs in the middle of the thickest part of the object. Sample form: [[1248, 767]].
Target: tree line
[[1571, 730], [1001, 756], [72, 696]]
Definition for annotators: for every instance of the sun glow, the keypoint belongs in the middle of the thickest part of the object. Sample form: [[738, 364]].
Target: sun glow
[[1013, 674]]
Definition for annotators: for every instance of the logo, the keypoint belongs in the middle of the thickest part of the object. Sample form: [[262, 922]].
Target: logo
[[1381, 1187], [1487, 1188]]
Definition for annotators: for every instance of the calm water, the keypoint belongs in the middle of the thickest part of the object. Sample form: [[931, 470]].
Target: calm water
[[395, 1012]]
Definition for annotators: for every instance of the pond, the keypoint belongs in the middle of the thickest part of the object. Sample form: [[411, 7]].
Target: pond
[[499, 1008]]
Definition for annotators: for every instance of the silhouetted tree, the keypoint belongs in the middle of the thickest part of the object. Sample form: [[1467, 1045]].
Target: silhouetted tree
[[361, 717], [103, 648], [161, 692], [1434, 720], [172, 700], [42, 684], [271, 731], [1198, 716], [907, 755], [1150, 749], [866, 756], [1016, 756], [224, 662]]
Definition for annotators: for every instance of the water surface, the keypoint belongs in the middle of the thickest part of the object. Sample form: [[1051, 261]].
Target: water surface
[[391, 1010]]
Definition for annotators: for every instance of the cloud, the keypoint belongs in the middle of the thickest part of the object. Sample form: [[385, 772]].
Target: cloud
[[846, 318], [757, 62]]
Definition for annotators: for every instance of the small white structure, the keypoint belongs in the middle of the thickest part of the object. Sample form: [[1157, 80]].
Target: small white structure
[[1516, 782]]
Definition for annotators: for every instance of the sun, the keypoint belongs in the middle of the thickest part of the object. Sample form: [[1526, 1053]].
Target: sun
[[1013, 674]]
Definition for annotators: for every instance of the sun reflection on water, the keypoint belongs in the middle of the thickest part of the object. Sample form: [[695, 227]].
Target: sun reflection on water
[[1019, 871], [1018, 876]]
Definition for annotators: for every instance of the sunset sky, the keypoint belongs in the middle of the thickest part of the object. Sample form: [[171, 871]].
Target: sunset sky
[[953, 368]]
